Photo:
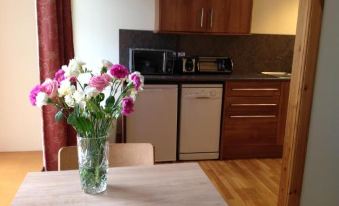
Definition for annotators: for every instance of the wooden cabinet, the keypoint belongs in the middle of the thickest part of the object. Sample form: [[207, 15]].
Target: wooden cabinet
[[229, 16], [181, 15], [254, 119], [204, 16]]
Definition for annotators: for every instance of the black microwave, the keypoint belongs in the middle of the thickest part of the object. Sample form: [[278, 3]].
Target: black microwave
[[152, 61]]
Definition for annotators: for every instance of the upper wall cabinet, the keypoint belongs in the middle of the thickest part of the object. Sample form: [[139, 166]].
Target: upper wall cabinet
[[204, 16]]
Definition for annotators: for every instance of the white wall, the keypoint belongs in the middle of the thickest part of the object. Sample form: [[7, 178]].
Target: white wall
[[274, 16], [321, 176], [20, 123], [96, 24]]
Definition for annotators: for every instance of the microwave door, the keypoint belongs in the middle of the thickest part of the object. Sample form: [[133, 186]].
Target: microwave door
[[148, 62]]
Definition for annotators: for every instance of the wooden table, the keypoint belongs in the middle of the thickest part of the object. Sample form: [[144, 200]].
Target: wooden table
[[167, 184]]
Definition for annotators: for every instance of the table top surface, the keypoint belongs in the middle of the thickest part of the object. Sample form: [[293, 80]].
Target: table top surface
[[165, 184]]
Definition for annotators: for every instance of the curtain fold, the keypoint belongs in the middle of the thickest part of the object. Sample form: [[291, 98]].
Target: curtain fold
[[55, 38]]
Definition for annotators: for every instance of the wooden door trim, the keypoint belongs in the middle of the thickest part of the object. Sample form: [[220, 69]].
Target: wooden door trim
[[300, 101]]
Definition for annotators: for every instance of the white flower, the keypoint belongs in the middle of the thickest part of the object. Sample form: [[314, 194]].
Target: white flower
[[41, 99], [106, 63], [107, 93], [84, 68], [66, 88], [69, 100], [83, 79], [74, 68], [91, 92], [79, 97]]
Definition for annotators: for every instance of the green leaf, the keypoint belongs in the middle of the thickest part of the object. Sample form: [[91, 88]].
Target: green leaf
[[110, 101], [72, 120], [81, 124], [103, 69], [58, 116], [92, 107], [95, 109], [100, 97]]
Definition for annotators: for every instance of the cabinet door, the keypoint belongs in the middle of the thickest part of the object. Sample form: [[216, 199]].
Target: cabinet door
[[229, 16], [155, 121], [254, 119], [182, 15]]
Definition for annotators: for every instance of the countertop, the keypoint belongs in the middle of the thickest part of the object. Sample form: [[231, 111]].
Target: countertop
[[179, 78]]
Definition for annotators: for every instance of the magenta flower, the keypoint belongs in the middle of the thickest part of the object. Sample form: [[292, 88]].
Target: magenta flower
[[50, 87], [34, 92], [59, 76], [127, 105], [100, 82], [119, 71], [73, 80], [137, 79]]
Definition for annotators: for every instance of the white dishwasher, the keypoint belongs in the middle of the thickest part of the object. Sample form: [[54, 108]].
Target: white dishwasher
[[200, 121], [155, 120]]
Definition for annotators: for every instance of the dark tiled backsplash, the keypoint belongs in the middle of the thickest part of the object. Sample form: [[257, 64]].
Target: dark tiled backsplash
[[250, 53]]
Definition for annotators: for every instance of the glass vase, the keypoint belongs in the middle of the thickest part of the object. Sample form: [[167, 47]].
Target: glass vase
[[93, 163]]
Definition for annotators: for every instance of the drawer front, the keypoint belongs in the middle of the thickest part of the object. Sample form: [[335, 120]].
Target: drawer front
[[251, 106], [253, 88], [250, 131]]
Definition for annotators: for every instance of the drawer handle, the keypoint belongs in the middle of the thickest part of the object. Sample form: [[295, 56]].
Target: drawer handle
[[255, 89], [253, 116], [244, 105]]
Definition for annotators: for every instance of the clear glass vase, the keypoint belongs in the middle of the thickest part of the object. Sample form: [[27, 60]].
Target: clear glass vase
[[93, 163]]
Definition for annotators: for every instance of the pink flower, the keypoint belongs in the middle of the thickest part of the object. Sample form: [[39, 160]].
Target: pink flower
[[127, 105], [50, 87], [119, 71], [100, 82], [34, 92], [59, 76], [137, 79]]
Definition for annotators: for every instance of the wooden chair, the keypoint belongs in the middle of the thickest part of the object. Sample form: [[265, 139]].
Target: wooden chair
[[120, 155]]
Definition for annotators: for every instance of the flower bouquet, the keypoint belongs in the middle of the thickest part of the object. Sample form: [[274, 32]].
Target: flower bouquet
[[90, 99]]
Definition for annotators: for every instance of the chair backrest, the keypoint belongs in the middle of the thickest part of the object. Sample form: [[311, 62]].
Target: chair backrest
[[120, 155]]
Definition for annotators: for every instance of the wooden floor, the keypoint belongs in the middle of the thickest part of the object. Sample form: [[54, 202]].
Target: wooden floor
[[252, 182], [240, 182], [13, 168]]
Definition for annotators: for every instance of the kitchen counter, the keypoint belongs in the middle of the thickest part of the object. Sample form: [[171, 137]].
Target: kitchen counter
[[202, 78]]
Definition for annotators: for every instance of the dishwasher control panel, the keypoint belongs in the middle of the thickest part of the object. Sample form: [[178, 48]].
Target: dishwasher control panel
[[190, 91]]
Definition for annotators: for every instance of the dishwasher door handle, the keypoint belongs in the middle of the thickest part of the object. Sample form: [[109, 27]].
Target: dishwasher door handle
[[202, 97], [197, 97]]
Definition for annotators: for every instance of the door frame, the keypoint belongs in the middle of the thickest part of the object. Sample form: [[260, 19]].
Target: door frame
[[300, 101]]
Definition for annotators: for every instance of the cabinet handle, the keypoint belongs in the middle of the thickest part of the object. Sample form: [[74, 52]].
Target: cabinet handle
[[202, 18], [255, 89], [211, 23], [253, 116], [253, 105]]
